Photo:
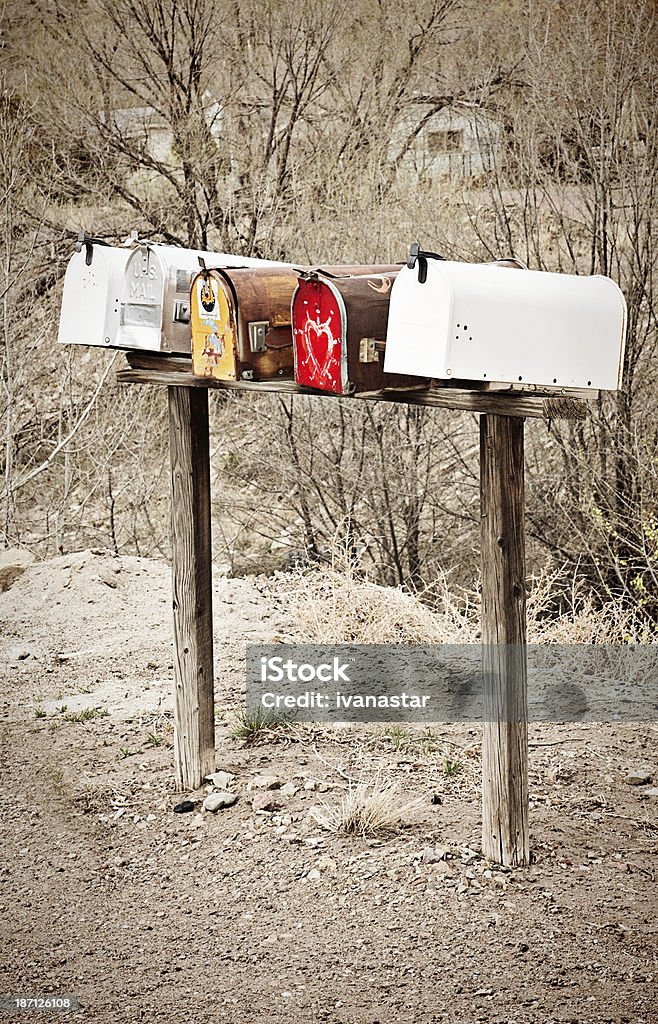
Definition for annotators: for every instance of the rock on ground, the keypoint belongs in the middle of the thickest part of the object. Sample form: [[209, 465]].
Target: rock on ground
[[217, 801], [13, 563]]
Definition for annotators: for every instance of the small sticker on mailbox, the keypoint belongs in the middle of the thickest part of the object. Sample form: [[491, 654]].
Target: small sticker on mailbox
[[207, 297]]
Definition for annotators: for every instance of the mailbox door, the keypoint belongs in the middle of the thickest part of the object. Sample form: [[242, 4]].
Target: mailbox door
[[155, 312], [214, 328], [143, 294], [91, 298], [417, 332], [319, 344]]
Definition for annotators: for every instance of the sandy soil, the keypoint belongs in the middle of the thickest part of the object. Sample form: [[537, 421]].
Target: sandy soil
[[240, 916]]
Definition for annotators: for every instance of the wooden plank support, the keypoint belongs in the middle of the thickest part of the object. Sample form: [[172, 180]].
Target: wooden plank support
[[194, 714], [505, 730], [148, 368]]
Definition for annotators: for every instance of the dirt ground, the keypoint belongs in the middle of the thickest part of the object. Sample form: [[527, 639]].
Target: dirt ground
[[244, 916]]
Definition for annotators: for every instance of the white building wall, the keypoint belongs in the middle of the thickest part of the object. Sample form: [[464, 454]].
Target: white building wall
[[454, 144]]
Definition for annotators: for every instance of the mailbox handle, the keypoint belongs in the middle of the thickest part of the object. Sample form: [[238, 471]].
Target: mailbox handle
[[205, 270], [312, 275], [417, 255], [506, 261]]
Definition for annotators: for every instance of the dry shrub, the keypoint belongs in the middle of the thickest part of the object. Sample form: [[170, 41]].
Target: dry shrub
[[335, 604], [368, 809], [585, 622]]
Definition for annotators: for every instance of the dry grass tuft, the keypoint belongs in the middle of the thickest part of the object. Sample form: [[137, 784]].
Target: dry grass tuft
[[259, 725], [337, 605], [368, 809]]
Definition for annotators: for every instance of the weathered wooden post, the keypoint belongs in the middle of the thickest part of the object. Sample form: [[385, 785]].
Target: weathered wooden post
[[191, 555], [505, 730]]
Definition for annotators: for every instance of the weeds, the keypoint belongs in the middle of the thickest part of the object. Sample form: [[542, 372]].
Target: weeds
[[405, 740], [56, 776], [368, 809], [399, 737], [86, 715], [250, 725], [338, 604]]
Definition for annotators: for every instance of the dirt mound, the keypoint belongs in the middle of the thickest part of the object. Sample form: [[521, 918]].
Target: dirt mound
[[79, 599], [97, 630]]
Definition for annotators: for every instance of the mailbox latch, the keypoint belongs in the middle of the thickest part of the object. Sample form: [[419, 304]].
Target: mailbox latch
[[257, 332], [417, 256], [181, 311], [369, 349], [88, 242]]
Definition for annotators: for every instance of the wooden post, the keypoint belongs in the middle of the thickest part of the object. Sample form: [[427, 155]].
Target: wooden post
[[194, 715], [505, 731]]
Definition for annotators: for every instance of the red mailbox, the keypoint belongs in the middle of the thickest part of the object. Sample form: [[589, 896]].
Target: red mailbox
[[339, 332]]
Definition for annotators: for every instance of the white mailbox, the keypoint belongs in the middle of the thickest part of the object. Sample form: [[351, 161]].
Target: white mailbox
[[91, 304], [155, 302], [486, 323]]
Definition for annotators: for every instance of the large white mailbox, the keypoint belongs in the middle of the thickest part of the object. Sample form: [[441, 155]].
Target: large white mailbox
[[483, 322], [155, 302], [93, 285]]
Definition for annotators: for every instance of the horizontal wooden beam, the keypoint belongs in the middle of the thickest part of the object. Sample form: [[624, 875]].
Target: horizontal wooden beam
[[176, 371]]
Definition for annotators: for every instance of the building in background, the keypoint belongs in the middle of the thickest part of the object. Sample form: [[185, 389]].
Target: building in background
[[458, 143]]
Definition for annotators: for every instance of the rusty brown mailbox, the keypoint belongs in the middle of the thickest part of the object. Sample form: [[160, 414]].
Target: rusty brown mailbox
[[241, 321], [339, 331]]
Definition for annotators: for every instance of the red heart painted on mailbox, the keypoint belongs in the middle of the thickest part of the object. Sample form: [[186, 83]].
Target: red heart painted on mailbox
[[317, 328]]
